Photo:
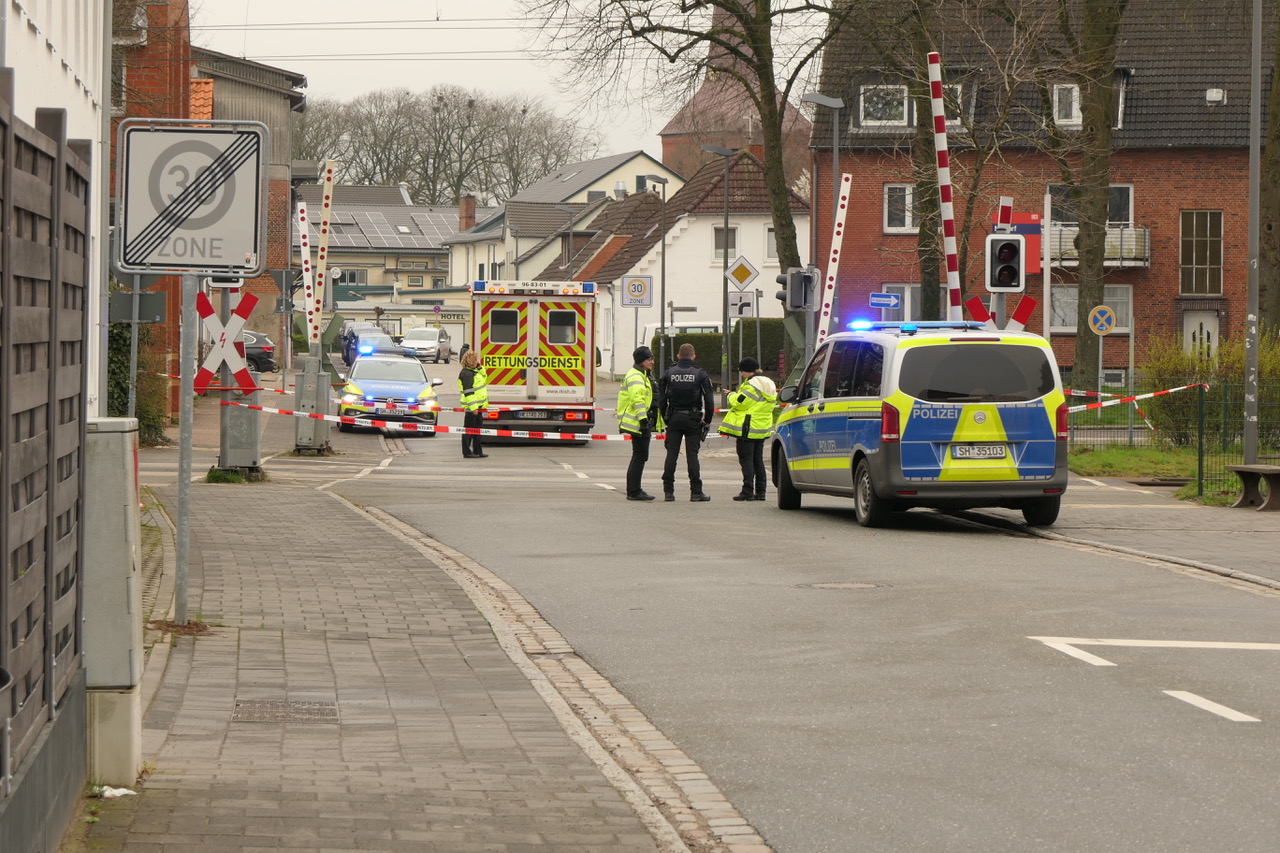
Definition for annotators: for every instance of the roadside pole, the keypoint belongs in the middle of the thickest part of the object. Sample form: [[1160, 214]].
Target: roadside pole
[[186, 412]]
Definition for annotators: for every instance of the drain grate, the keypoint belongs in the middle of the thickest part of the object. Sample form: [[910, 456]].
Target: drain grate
[[269, 711], [842, 585]]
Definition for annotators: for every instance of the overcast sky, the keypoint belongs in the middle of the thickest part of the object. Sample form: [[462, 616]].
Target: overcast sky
[[346, 49]]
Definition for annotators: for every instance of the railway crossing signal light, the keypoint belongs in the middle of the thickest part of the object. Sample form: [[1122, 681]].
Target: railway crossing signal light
[[1005, 263], [797, 288]]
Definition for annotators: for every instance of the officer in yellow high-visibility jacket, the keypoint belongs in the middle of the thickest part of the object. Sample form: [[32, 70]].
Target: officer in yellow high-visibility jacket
[[475, 398], [638, 417], [750, 420]]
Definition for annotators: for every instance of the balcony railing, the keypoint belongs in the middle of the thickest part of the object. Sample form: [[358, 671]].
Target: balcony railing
[[1127, 246]]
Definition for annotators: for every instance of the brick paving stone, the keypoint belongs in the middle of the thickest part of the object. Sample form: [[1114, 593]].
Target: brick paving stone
[[441, 743]]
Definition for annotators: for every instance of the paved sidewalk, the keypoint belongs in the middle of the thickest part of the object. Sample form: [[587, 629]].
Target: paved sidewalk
[[346, 695]]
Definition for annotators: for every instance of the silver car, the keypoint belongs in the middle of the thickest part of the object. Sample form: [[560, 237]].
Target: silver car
[[428, 344]]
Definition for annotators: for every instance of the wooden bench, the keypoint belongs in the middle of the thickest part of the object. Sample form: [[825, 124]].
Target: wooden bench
[[1251, 476]]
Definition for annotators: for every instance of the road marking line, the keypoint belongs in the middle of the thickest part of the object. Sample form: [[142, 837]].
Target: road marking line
[[1158, 644], [1068, 649], [577, 474], [1212, 707], [606, 486]]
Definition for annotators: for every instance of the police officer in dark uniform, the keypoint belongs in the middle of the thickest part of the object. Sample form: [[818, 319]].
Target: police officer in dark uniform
[[687, 403]]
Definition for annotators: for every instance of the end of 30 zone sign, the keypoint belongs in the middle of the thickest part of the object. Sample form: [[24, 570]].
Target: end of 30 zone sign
[[190, 197]]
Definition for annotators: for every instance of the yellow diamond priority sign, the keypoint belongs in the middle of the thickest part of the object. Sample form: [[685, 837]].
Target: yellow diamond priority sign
[[741, 273]]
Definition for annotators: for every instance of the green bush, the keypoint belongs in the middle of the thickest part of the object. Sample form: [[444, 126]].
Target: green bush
[[151, 406], [710, 346], [1176, 416]]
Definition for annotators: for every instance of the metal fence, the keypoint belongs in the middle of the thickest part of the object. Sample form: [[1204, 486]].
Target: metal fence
[[1207, 423]]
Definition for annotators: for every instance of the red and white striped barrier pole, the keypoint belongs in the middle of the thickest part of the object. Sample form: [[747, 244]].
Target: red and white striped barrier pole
[[308, 285], [828, 298], [954, 311], [322, 252]]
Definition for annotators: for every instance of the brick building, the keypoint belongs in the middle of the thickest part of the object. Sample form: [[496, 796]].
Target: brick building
[[1177, 232], [157, 73]]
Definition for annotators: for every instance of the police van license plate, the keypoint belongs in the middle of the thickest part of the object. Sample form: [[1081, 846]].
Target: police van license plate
[[977, 451], [391, 411], [531, 413]]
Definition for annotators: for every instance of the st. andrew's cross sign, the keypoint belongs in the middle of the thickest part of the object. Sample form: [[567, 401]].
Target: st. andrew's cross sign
[[190, 197]]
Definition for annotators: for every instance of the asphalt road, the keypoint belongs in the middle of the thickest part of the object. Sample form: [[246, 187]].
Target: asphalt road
[[852, 689]]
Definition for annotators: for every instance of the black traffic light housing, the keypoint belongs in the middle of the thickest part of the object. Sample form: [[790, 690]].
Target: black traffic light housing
[[797, 293], [1006, 256]]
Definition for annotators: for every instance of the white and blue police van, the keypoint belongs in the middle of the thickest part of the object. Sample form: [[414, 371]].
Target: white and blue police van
[[947, 415]]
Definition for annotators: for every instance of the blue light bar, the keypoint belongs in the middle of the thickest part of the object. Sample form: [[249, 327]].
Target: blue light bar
[[858, 325]]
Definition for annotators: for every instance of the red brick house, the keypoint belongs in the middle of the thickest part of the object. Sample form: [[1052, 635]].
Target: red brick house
[[1176, 260], [157, 73]]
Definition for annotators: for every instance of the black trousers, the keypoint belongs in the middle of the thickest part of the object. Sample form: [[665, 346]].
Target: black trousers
[[751, 458], [471, 443], [683, 428], [639, 456]]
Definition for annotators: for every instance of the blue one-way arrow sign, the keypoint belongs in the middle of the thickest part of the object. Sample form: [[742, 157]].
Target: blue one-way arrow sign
[[886, 300]]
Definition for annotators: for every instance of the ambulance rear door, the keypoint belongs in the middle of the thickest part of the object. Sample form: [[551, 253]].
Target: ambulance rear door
[[505, 339], [561, 353]]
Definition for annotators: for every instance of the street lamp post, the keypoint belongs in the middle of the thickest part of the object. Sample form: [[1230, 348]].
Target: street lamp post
[[835, 105], [568, 260], [662, 251], [726, 153]]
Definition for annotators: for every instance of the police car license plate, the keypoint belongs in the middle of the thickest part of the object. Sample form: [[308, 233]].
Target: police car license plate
[[531, 413], [393, 411], [977, 451]]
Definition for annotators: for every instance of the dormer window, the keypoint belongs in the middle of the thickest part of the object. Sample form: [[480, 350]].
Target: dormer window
[[883, 106], [1066, 105]]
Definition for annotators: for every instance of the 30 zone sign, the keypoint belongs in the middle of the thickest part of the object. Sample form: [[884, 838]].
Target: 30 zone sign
[[190, 196]]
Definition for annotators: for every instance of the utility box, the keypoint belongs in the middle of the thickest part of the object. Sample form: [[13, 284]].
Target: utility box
[[311, 394], [242, 428], [113, 600]]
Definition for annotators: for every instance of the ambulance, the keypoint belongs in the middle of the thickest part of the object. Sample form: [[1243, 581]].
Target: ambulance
[[948, 415], [537, 343]]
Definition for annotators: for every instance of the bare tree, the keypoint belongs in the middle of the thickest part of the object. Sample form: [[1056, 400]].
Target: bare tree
[[1269, 211], [442, 143], [762, 45], [321, 131]]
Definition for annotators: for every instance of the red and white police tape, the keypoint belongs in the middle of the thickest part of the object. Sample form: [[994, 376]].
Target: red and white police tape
[[436, 428], [1120, 400]]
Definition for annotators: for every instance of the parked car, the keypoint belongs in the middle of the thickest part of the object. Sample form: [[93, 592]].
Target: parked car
[[377, 343], [351, 339], [428, 344], [389, 388], [259, 352]]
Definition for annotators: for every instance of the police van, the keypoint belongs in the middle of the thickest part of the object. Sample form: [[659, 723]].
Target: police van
[[948, 415]]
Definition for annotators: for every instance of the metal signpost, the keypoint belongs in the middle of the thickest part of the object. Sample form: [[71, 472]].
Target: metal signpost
[[637, 292], [1101, 320], [190, 199]]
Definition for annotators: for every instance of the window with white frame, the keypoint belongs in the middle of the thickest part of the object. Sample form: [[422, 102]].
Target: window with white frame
[[770, 244], [720, 242], [900, 209], [1200, 252], [909, 308], [952, 102], [353, 276], [1066, 301], [883, 106], [1062, 210], [1066, 105]]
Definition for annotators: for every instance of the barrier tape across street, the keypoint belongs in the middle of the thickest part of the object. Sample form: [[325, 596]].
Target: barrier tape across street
[[1120, 400], [437, 428]]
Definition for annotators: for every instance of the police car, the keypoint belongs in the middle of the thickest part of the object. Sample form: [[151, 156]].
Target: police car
[[948, 415]]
